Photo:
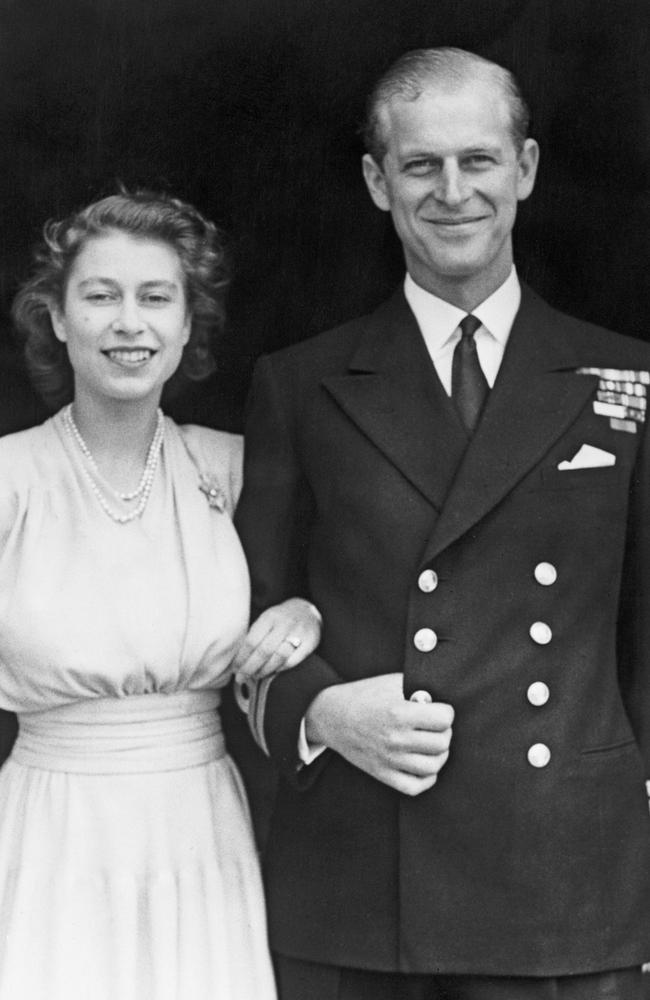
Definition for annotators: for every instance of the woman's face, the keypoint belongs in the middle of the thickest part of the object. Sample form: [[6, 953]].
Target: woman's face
[[124, 317]]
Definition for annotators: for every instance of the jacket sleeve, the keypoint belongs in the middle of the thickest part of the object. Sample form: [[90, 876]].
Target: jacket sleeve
[[273, 518], [634, 609]]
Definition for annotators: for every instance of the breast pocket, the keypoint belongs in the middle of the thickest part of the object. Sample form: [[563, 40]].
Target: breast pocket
[[601, 478]]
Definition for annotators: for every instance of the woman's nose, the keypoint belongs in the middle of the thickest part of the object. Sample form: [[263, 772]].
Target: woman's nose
[[129, 319]]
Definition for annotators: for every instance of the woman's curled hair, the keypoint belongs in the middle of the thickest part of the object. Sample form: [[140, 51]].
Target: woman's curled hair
[[144, 215]]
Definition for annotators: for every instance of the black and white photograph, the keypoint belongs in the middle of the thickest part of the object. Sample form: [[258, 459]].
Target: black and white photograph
[[324, 500]]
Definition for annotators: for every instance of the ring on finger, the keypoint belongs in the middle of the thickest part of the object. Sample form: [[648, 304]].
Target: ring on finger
[[294, 640]]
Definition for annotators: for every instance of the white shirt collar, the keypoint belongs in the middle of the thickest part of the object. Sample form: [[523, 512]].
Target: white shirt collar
[[438, 320]]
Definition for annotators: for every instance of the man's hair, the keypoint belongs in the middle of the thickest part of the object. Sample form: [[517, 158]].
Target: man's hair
[[416, 70]]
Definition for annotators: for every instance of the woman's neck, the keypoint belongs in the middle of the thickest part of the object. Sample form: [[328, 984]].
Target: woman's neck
[[118, 434]]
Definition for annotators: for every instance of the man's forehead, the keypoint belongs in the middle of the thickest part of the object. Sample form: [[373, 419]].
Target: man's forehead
[[462, 112]]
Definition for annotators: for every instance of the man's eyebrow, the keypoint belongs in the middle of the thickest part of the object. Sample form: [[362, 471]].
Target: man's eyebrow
[[418, 153], [481, 147]]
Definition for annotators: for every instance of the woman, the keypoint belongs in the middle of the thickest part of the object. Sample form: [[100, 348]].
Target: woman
[[127, 865]]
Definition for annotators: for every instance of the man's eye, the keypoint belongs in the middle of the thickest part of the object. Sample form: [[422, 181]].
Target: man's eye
[[479, 160], [420, 166]]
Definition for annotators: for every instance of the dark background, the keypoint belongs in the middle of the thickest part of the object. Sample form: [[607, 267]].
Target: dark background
[[249, 109]]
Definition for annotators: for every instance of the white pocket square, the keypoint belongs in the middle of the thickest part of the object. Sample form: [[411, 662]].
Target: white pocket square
[[589, 457]]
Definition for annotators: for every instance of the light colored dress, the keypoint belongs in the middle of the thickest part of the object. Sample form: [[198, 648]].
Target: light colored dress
[[127, 864]]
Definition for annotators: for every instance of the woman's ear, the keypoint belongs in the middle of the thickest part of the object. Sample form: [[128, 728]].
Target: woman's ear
[[58, 323]]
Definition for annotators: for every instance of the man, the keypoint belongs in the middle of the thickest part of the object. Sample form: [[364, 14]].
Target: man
[[460, 483]]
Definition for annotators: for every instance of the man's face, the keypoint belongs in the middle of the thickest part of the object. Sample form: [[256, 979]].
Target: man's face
[[451, 179]]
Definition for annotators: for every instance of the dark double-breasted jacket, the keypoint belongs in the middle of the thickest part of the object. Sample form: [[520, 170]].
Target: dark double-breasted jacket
[[511, 588]]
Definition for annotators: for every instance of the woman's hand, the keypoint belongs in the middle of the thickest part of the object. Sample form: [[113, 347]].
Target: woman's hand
[[281, 637]]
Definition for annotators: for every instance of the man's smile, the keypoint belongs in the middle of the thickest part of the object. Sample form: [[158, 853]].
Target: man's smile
[[456, 222]]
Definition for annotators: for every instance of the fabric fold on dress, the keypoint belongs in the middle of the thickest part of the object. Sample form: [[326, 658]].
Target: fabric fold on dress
[[127, 863]]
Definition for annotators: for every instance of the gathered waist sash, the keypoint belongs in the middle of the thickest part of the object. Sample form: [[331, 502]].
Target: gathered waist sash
[[138, 733]]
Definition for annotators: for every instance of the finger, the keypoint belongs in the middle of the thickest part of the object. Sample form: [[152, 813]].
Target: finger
[[272, 654], [241, 656], [262, 626], [297, 653], [293, 649], [276, 661], [295, 640], [255, 635], [409, 784], [271, 620], [434, 717], [261, 661], [423, 765], [422, 741]]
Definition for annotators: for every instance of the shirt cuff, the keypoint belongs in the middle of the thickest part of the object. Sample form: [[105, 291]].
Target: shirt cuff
[[308, 752]]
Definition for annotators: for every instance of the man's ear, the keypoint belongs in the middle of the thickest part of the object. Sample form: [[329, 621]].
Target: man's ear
[[376, 183], [528, 163]]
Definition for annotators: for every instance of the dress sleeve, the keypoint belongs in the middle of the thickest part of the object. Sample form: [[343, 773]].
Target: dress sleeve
[[14, 487], [236, 467], [8, 512]]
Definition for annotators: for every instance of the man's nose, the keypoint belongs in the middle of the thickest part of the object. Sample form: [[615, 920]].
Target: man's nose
[[451, 187]]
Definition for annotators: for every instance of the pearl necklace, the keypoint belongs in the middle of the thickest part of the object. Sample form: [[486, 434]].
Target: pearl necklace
[[143, 490]]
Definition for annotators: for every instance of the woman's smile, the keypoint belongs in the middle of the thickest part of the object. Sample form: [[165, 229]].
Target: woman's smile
[[129, 357]]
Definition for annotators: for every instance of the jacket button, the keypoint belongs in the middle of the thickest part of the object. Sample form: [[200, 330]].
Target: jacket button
[[425, 639], [428, 581], [539, 755], [538, 693], [545, 573], [540, 633]]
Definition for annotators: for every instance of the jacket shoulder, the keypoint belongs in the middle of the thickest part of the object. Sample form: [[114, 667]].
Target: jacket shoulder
[[330, 348], [330, 351], [602, 343]]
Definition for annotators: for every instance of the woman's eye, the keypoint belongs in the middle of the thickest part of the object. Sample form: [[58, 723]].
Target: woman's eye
[[99, 297], [154, 299]]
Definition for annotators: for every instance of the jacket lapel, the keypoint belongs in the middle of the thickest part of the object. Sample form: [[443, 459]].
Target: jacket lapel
[[536, 397], [392, 393]]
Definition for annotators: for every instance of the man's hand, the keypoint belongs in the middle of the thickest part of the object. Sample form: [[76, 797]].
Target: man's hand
[[402, 743]]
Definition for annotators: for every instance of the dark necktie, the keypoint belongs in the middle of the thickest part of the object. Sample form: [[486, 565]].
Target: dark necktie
[[469, 386]]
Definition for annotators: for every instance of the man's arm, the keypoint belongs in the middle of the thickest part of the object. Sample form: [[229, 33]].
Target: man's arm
[[368, 722], [634, 608], [403, 744], [274, 518]]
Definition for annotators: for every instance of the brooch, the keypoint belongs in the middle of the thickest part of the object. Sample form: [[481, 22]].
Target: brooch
[[621, 396], [209, 485]]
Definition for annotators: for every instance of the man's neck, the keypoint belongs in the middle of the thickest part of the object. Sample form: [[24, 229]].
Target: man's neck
[[464, 293]]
